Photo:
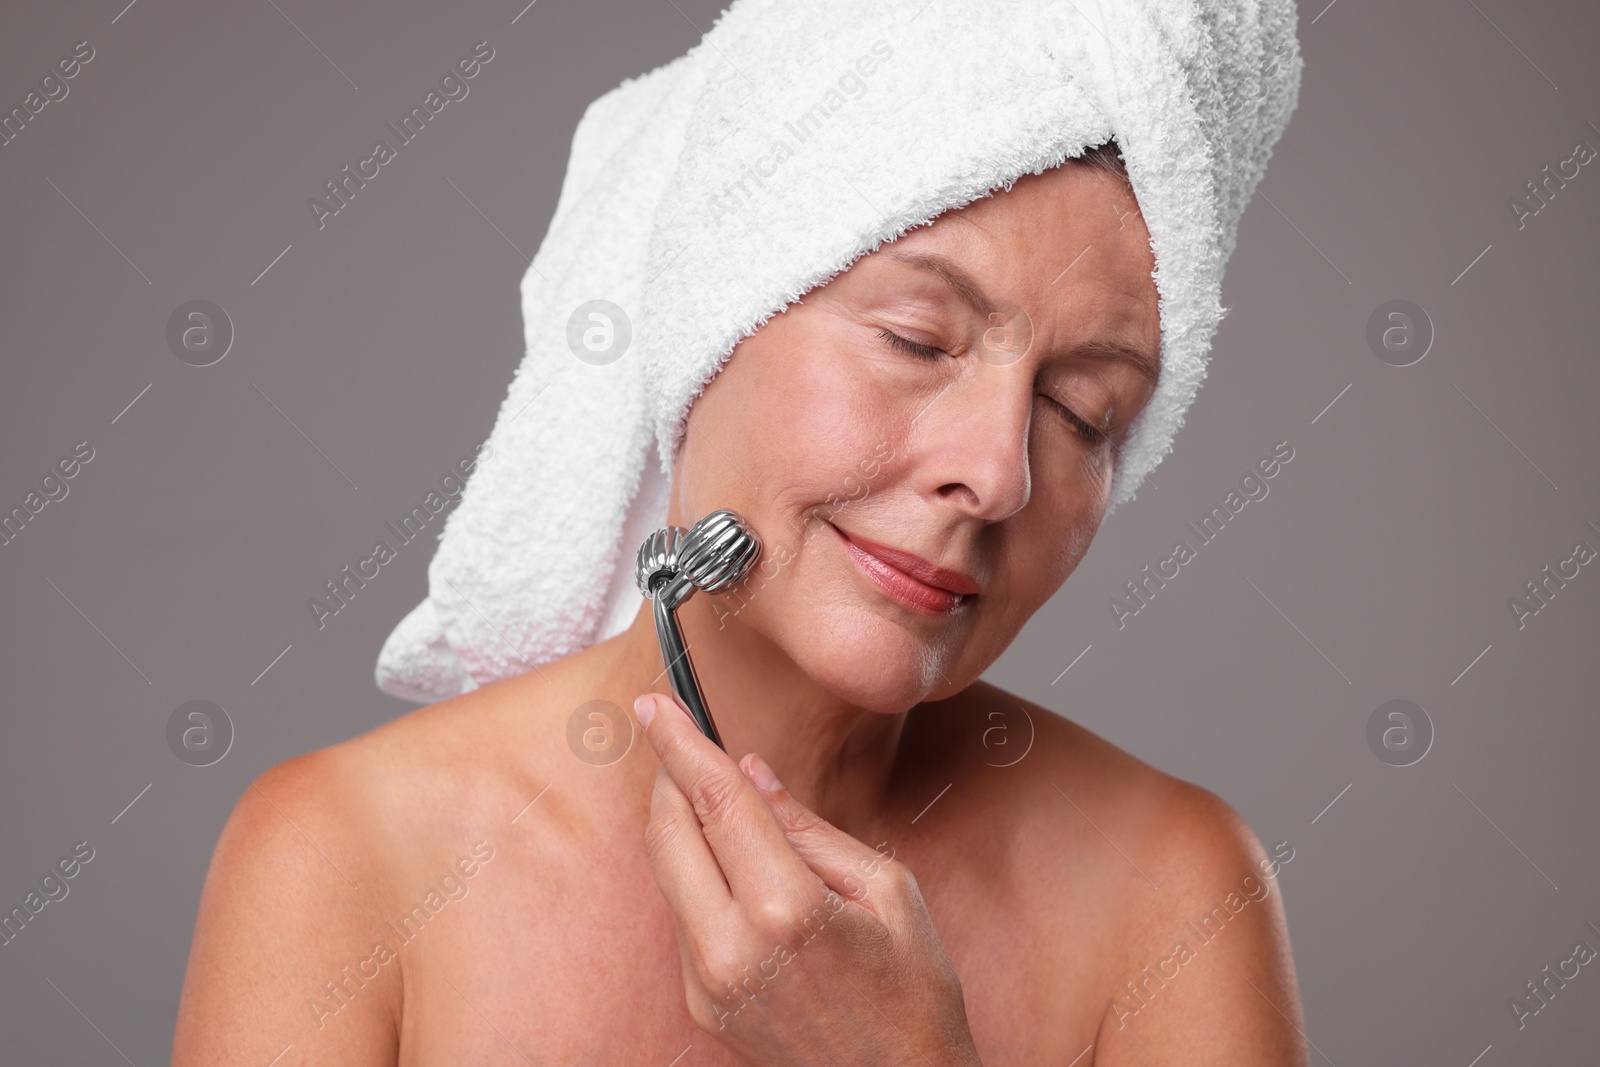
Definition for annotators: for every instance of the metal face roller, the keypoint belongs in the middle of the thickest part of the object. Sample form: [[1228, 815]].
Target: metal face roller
[[673, 562]]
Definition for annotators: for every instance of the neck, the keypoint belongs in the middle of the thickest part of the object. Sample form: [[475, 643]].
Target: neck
[[835, 757]]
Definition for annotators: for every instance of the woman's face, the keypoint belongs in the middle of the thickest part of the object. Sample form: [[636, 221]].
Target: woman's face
[[958, 395]]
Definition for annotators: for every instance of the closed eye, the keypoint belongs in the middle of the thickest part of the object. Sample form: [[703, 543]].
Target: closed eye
[[926, 351], [1082, 427]]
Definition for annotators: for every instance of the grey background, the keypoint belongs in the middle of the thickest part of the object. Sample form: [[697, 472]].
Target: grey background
[[1379, 567]]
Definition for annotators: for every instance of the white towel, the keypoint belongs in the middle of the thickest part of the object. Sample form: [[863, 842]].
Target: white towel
[[704, 196]]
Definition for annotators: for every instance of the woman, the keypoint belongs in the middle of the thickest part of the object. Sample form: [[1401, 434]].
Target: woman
[[946, 874]]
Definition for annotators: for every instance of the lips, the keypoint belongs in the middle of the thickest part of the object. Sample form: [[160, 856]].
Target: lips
[[909, 578]]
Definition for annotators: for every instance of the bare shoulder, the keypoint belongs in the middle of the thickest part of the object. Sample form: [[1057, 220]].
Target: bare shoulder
[[290, 889], [314, 857], [1109, 786], [424, 777], [1180, 894]]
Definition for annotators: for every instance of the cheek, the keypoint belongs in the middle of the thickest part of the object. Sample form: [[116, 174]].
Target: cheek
[[1072, 547], [741, 429], [1046, 543], [821, 424], [793, 423], [838, 409]]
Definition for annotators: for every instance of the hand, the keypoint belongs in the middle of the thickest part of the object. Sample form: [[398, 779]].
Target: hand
[[800, 944]]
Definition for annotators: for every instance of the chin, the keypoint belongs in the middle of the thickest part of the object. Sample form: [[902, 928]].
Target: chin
[[865, 684]]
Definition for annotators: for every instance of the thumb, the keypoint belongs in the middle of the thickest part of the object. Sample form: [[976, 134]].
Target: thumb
[[846, 865]]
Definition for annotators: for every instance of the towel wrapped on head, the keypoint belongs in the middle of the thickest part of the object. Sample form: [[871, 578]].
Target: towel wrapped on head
[[704, 196]]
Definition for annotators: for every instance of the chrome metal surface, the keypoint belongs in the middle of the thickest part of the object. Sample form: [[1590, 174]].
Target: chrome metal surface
[[672, 563]]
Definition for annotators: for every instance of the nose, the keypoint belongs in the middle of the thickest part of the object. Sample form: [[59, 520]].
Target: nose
[[974, 441]]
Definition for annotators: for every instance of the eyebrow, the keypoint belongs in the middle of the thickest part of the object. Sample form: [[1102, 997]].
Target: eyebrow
[[962, 285]]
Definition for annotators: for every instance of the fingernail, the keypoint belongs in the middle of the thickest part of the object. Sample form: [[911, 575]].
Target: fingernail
[[645, 708], [762, 775]]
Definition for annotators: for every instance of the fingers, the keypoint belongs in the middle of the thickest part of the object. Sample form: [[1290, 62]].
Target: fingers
[[686, 869], [717, 838], [846, 865]]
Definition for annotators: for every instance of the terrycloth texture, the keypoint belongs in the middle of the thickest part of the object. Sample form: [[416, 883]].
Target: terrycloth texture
[[706, 195]]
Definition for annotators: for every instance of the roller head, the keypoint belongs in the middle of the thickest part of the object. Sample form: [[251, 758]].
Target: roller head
[[658, 559], [718, 551], [713, 556]]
